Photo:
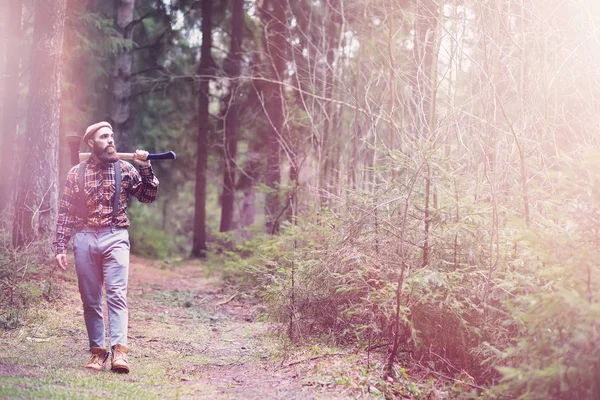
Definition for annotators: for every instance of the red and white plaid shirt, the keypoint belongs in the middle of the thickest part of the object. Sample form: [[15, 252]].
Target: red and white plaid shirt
[[99, 193]]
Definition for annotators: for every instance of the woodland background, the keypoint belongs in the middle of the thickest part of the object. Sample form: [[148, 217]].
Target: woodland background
[[419, 178]]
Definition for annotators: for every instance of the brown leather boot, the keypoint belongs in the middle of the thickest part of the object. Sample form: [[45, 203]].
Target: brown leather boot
[[99, 356], [119, 359]]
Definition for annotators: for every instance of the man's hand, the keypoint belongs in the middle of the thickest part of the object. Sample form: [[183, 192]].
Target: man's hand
[[139, 157], [61, 261]]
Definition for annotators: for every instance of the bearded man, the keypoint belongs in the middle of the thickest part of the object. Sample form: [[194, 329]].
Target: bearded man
[[93, 209]]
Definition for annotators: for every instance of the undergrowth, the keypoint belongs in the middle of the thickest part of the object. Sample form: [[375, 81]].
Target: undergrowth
[[510, 310], [26, 279]]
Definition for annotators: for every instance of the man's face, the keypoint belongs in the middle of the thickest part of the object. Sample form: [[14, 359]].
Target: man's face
[[103, 145]]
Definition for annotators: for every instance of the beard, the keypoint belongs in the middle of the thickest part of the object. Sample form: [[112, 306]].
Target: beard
[[107, 154]]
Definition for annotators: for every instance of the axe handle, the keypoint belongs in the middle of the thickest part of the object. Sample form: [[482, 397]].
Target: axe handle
[[169, 155]]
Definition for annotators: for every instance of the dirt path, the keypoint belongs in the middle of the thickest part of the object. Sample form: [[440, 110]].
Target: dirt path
[[189, 339]]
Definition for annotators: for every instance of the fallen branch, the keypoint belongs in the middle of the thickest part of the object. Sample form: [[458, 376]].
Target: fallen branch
[[448, 377], [229, 299], [38, 340], [315, 358], [378, 346]]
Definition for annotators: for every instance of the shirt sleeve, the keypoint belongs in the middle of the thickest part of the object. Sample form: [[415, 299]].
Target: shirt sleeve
[[66, 213], [144, 185]]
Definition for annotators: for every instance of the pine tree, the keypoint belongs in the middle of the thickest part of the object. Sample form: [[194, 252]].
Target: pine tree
[[37, 193], [9, 115], [233, 67], [205, 68]]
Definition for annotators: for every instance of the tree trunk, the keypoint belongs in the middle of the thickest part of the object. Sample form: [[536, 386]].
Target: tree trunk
[[425, 64], [37, 194], [248, 214], [329, 156], [121, 78], [74, 97], [426, 217], [204, 69], [273, 15], [9, 109], [426, 26], [247, 183], [231, 119]]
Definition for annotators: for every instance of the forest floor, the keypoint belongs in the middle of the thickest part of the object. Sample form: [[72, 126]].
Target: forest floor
[[189, 338]]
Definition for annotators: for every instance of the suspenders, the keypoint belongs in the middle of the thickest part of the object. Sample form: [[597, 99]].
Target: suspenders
[[118, 179], [82, 206]]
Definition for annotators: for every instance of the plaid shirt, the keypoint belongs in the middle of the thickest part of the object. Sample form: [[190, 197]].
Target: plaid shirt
[[99, 193]]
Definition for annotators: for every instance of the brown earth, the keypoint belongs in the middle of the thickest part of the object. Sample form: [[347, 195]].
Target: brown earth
[[189, 337]]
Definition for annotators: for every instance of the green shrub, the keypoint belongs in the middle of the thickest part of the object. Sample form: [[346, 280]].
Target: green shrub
[[150, 243], [24, 281], [557, 350], [146, 236], [336, 277]]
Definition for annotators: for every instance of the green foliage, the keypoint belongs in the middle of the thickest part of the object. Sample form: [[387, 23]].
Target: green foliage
[[24, 282], [149, 242], [91, 41], [337, 275], [237, 259], [557, 351], [146, 237]]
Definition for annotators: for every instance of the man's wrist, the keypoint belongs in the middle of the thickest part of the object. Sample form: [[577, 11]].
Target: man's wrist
[[145, 168], [146, 171]]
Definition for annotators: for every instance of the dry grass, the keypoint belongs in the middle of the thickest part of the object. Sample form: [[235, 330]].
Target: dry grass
[[185, 343]]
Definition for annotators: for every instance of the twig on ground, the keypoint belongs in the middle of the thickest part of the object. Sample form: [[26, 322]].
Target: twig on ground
[[377, 346], [448, 377], [229, 299], [315, 358], [448, 363]]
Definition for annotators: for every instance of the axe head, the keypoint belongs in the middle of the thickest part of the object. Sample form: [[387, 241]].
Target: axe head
[[74, 141]]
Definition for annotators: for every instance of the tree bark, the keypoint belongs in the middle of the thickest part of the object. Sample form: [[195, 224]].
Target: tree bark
[[426, 26], [329, 146], [273, 16], [206, 66], [424, 46], [37, 194], [74, 98], [9, 109], [231, 119], [121, 78], [247, 182]]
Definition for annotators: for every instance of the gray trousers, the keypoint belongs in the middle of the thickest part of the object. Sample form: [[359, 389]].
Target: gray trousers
[[102, 259]]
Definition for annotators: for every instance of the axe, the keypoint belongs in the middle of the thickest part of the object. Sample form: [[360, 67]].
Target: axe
[[77, 157]]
